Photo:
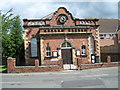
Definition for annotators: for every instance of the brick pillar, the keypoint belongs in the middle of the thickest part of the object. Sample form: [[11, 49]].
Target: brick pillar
[[11, 63], [75, 62], [36, 63], [108, 59], [61, 63]]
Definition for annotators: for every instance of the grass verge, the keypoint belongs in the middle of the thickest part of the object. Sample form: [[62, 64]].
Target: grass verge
[[3, 69]]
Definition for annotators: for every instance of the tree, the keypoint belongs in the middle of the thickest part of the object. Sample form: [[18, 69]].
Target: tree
[[0, 37], [6, 26], [11, 35]]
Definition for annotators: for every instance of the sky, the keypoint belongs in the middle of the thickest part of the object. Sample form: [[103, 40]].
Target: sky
[[79, 9]]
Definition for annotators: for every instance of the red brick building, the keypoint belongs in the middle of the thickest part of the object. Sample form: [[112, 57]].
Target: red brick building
[[109, 39], [60, 36]]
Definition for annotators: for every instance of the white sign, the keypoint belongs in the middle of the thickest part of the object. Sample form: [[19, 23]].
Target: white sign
[[55, 54], [78, 52]]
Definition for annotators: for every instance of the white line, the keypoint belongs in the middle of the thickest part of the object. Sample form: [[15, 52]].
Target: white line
[[14, 82]]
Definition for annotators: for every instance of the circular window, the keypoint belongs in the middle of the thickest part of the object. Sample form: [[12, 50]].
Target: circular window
[[62, 19]]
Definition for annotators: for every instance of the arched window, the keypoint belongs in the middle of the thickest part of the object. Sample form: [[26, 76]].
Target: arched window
[[83, 50], [66, 44], [48, 51], [33, 47]]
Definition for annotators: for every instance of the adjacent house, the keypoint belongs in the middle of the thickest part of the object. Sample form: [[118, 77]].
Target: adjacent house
[[109, 39]]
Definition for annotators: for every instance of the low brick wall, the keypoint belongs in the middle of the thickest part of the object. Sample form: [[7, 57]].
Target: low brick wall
[[114, 57], [12, 68], [100, 65]]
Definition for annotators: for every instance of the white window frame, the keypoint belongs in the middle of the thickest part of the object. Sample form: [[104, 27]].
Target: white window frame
[[83, 51], [48, 51]]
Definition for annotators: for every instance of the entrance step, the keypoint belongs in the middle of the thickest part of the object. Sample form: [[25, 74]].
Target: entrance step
[[69, 66]]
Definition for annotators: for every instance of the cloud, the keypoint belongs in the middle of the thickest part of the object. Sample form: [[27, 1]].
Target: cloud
[[37, 9]]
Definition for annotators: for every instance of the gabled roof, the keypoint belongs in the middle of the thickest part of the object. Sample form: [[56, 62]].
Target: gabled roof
[[49, 16], [108, 25]]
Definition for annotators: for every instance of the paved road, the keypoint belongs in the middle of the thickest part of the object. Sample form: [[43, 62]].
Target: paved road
[[92, 78]]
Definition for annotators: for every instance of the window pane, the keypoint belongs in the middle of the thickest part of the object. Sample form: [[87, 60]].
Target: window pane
[[84, 51], [34, 54], [91, 45], [101, 36], [108, 36], [68, 44], [48, 48], [33, 47], [83, 46], [48, 53], [64, 45]]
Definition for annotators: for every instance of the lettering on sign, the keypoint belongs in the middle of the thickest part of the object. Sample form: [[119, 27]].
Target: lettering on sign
[[36, 23]]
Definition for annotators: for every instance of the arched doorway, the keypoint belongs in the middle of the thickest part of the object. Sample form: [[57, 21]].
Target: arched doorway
[[66, 52]]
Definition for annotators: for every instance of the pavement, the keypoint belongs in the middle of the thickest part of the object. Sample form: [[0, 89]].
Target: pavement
[[89, 78]]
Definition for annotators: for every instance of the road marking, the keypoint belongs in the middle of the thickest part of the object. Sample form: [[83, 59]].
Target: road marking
[[96, 75], [13, 82]]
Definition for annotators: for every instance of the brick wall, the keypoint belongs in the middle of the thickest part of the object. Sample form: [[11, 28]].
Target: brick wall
[[100, 65], [12, 68], [114, 57]]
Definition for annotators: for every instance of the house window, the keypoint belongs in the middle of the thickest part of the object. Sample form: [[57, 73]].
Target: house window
[[48, 51], [33, 47], [83, 50], [101, 36], [114, 36], [107, 36]]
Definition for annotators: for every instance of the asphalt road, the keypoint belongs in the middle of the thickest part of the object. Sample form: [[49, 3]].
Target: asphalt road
[[91, 78]]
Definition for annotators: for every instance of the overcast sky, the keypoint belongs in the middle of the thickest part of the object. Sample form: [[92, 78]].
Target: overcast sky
[[38, 9]]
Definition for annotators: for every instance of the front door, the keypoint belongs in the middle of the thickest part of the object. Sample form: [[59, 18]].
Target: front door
[[67, 56]]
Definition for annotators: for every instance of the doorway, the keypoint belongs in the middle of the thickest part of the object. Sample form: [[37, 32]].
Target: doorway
[[66, 53], [67, 56]]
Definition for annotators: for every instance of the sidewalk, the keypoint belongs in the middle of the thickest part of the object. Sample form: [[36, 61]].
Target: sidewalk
[[64, 71]]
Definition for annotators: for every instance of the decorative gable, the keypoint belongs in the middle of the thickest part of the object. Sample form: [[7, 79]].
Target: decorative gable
[[62, 17]]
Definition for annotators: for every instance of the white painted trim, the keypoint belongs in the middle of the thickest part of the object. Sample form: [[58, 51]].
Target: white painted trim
[[66, 47]]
